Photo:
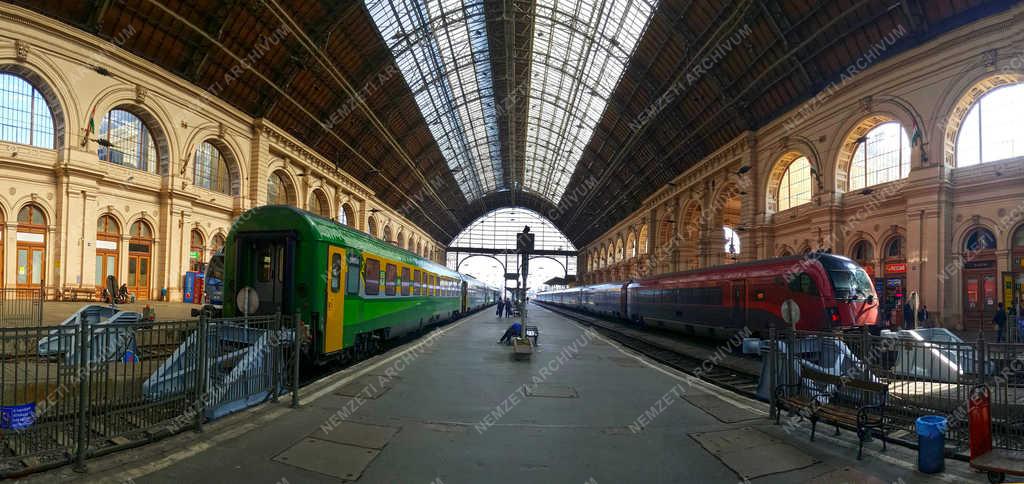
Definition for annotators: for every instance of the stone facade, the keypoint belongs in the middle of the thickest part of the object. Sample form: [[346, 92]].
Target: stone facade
[[74, 188], [932, 210]]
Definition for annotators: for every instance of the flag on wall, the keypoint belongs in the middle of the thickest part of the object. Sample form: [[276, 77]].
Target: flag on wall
[[92, 122]]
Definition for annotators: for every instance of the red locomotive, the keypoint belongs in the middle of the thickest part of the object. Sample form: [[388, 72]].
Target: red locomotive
[[819, 291]]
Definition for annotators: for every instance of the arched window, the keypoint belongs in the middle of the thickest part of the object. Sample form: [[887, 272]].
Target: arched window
[[862, 251], [387, 233], [642, 242], [130, 142], [401, 240], [1018, 238], [25, 118], [882, 155], [894, 248], [218, 243], [106, 225], [371, 226], [196, 251], [732, 241], [345, 215], [211, 169], [318, 204], [631, 249], [279, 190], [141, 230], [979, 239], [795, 187], [620, 252], [31, 215], [991, 131]]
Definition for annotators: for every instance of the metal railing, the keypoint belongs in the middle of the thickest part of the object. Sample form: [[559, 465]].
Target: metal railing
[[923, 377], [21, 306], [98, 388]]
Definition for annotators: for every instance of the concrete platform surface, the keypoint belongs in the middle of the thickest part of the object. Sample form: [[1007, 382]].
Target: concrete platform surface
[[454, 407]]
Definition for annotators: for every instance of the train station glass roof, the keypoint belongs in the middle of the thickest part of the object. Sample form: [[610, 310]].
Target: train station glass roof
[[440, 47], [580, 49]]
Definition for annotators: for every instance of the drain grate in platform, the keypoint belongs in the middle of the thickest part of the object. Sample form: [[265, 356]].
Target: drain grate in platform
[[363, 435], [338, 460], [751, 453], [551, 390]]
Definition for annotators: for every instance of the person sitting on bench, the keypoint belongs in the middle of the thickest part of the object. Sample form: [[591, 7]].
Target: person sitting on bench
[[513, 330]]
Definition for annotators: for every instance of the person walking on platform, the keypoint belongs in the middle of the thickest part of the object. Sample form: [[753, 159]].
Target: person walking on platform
[[508, 308], [501, 306], [1000, 321]]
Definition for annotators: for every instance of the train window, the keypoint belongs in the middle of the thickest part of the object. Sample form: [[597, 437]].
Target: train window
[[335, 272], [415, 283], [266, 268], [405, 281], [804, 284], [372, 277], [390, 275], [353, 276]]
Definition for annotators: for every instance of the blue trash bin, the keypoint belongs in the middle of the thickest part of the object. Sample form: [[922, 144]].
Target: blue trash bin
[[931, 441]]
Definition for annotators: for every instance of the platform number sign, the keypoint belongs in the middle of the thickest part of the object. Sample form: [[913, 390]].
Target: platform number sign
[[790, 312]]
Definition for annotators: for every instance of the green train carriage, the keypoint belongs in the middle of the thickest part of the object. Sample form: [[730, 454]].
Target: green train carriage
[[351, 290]]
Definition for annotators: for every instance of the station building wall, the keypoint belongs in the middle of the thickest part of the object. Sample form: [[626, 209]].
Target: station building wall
[[926, 231], [82, 217]]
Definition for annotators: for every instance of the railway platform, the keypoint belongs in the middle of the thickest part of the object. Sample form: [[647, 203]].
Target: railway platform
[[455, 407]]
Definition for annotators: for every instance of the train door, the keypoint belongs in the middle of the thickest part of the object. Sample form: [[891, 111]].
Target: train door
[[739, 303], [266, 262], [465, 291], [334, 323], [623, 295]]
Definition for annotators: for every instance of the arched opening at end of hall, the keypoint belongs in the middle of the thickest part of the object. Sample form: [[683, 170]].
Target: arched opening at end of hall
[[497, 230]]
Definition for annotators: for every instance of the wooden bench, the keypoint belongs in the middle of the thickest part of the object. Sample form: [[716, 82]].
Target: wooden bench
[[856, 403], [70, 293]]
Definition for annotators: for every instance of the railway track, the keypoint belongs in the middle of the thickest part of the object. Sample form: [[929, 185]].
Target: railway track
[[732, 379]]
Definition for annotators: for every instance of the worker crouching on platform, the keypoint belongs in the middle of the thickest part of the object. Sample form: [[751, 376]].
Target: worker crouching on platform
[[512, 331]]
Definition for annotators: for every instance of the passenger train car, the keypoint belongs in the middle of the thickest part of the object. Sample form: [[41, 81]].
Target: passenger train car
[[830, 291], [351, 290]]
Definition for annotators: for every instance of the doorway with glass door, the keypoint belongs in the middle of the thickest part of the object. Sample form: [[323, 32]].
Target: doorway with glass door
[[138, 270]]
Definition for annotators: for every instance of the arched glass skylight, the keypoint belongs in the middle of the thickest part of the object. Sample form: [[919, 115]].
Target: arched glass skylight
[[580, 50], [441, 49]]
